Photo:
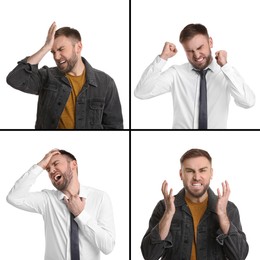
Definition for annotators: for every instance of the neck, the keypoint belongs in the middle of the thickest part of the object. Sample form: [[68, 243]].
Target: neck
[[196, 199], [73, 189], [78, 68]]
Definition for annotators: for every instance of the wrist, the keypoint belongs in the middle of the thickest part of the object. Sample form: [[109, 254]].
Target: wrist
[[164, 57]]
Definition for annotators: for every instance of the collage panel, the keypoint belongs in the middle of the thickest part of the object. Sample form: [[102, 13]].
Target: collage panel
[[173, 42], [182, 159], [82, 173], [58, 44]]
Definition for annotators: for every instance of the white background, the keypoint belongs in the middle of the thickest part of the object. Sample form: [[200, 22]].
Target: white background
[[104, 28], [232, 24], [103, 161], [155, 158]]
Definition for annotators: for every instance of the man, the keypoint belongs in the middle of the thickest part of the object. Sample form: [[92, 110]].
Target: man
[[202, 78], [89, 210], [195, 224], [72, 95]]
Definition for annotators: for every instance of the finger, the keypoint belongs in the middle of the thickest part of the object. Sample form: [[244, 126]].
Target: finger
[[164, 184], [219, 194], [66, 200], [227, 188]]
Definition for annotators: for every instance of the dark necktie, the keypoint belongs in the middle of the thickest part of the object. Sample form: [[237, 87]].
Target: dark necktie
[[74, 239], [203, 108]]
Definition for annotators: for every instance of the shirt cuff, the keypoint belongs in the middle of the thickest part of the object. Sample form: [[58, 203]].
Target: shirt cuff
[[159, 62]]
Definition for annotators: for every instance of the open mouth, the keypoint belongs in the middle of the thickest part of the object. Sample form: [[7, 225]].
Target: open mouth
[[57, 177]]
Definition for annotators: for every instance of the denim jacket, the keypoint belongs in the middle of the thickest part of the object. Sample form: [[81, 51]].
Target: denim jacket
[[97, 106], [211, 242]]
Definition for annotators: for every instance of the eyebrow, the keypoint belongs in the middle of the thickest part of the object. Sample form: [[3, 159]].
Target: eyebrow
[[48, 168], [190, 169], [188, 50], [59, 49]]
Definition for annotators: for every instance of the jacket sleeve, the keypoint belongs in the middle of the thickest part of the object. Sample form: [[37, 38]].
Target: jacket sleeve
[[234, 243], [25, 77], [152, 246], [112, 115]]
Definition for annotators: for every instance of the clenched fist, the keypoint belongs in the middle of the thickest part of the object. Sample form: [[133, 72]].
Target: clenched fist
[[221, 57], [169, 50]]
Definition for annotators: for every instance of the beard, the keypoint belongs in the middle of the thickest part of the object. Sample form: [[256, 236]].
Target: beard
[[63, 183], [198, 194], [70, 63], [205, 64]]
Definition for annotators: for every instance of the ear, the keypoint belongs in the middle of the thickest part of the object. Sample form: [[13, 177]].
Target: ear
[[78, 47], [210, 42], [181, 174], [211, 170], [74, 164]]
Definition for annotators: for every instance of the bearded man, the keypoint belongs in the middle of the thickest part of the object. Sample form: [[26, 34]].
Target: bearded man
[[72, 95], [78, 220]]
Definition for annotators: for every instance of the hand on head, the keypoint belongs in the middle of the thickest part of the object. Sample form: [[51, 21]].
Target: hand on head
[[50, 37], [45, 161]]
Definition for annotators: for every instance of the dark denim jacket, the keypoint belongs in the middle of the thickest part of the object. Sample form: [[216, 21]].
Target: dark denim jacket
[[97, 107], [211, 242]]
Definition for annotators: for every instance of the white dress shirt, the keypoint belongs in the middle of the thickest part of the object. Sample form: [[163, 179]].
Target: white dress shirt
[[96, 222], [184, 84]]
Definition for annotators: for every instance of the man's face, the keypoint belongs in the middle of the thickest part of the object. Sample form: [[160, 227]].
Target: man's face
[[196, 174], [60, 171], [66, 53], [198, 51]]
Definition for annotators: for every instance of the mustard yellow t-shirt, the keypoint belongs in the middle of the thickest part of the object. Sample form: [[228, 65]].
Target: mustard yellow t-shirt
[[67, 120], [197, 210]]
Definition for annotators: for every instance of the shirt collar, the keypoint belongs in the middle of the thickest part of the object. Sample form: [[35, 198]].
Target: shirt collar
[[213, 66], [82, 193]]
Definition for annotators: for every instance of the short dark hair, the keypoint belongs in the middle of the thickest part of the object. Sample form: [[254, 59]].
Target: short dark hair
[[193, 153], [69, 155], [68, 32], [191, 30]]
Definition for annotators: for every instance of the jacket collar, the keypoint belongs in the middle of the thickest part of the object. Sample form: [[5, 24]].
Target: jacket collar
[[212, 200], [90, 74]]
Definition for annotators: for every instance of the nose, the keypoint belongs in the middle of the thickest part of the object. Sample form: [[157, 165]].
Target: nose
[[196, 176], [56, 55], [52, 170], [196, 54]]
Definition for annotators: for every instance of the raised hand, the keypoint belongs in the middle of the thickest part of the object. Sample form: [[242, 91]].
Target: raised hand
[[168, 199], [165, 222], [45, 161], [221, 57], [169, 50], [50, 37], [221, 207]]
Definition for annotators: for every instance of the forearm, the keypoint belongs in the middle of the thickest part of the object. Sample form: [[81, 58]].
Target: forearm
[[20, 196], [153, 82], [164, 225], [38, 56], [224, 223], [241, 92]]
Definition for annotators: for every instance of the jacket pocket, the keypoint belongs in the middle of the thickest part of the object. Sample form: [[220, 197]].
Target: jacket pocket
[[96, 109]]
